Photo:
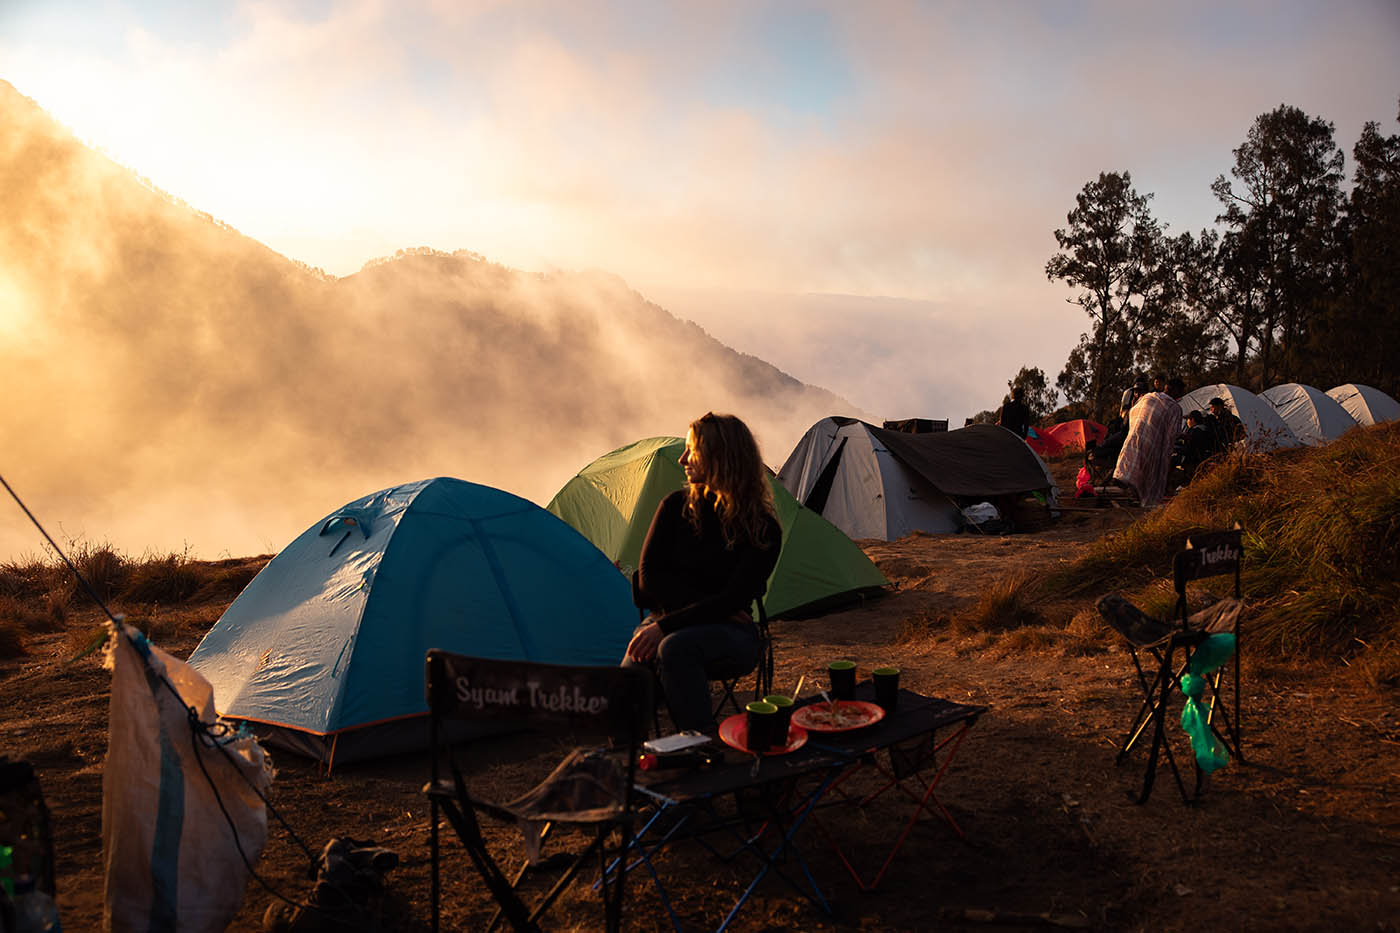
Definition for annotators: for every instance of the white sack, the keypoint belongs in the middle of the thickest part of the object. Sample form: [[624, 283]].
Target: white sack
[[169, 855]]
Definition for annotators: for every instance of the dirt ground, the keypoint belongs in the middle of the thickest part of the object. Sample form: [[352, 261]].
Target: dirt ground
[[1304, 836]]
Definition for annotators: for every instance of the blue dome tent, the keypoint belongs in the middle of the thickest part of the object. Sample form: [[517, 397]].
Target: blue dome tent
[[323, 651]]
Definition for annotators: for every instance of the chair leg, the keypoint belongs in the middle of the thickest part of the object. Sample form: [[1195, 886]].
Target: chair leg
[[1237, 726], [1165, 681]]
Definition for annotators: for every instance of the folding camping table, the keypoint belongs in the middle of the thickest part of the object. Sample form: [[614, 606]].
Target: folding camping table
[[907, 752], [773, 798]]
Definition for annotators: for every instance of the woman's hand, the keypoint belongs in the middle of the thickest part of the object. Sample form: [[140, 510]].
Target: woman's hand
[[642, 647]]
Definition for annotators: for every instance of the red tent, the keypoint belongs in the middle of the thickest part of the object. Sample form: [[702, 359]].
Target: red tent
[[1043, 445], [1073, 435]]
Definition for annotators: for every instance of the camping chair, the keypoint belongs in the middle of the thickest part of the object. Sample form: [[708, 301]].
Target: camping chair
[[1099, 462], [763, 674], [763, 684], [590, 790], [1205, 555]]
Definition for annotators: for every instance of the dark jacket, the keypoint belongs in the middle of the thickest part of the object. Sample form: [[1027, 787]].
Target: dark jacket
[[690, 577], [1015, 417]]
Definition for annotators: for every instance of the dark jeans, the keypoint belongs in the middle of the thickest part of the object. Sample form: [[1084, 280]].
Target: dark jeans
[[689, 659]]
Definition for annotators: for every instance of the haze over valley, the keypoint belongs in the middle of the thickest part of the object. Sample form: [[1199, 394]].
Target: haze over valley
[[172, 384]]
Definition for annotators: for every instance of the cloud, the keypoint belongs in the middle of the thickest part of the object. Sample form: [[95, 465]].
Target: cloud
[[901, 149]]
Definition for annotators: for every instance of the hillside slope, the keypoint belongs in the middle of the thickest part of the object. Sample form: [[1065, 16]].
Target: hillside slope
[[174, 383]]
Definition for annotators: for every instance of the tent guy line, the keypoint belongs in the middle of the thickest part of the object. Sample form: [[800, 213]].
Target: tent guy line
[[199, 730]]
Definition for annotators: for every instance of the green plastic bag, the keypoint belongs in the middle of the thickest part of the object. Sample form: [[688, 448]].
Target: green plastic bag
[[6, 861], [1209, 655]]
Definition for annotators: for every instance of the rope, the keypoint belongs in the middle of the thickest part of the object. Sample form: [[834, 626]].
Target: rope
[[198, 728]]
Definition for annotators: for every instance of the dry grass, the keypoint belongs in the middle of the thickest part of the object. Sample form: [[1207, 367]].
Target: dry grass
[[38, 596], [25, 579], [170, 579], [104, 569], [1006, 605], [12, 636], [27, 615], [1379, 666], [80, 640], [921, 625], [225, 579], [1322, 544]]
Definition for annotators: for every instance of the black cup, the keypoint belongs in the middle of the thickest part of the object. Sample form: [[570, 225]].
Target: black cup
[[760, 721], [886, 687], [843, 679], [784, 718]]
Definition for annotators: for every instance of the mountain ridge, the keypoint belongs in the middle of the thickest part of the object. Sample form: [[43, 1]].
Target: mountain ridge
[[162, 365]]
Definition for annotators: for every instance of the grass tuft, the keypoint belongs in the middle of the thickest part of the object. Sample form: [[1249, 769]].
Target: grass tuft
[[1007, 604], [1380, 666], [173, 578], [26, 579]]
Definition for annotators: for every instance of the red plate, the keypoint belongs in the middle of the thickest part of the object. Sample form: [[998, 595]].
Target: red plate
[[734, 732], [850, 714]]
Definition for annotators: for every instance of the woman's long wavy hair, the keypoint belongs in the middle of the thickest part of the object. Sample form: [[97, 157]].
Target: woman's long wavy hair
[[735, 478]]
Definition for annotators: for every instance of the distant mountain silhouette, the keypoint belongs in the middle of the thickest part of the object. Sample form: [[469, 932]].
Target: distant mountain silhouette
[[170, 381]]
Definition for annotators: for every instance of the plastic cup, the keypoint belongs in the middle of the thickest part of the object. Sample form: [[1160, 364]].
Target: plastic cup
[[760, 721], [886, 687], [781, 728], [843, 679]]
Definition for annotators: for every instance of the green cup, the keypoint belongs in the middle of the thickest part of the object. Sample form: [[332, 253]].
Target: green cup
[[761, 721], [843, 679], [781, 729], [886, 687]]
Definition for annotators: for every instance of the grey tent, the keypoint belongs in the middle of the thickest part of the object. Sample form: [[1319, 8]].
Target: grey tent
[[1312, 415], [874, 483], [1264, 428], [1366, 404]]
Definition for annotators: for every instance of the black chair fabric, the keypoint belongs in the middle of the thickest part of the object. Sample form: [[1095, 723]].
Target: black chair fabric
[[591, 789]]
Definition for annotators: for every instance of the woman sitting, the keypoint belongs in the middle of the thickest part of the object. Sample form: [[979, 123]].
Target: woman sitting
[[707, 556]]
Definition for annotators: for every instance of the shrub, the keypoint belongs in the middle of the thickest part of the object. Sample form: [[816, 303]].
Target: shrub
[[104, 569], [170, 579]]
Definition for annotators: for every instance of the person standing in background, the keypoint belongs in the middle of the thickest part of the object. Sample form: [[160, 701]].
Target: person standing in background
[[1130, 396], [1015, 415]]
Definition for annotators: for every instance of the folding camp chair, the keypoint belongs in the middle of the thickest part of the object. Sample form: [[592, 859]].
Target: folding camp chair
[[1100, 462], [728, 699], [1205, 555], [590, 790], [763, 674]]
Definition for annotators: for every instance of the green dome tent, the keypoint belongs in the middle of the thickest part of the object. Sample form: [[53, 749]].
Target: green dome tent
[[611, 501]]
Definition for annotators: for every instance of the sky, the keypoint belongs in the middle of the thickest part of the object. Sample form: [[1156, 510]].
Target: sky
[[864, 194]]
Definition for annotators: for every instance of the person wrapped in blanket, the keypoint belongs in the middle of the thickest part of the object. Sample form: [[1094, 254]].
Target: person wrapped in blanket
[[1145, 461], [707, 556]]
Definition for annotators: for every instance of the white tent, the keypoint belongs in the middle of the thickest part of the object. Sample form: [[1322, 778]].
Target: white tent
[[1365, 404], [875, 483], [1263, 427], [1312, 415]]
